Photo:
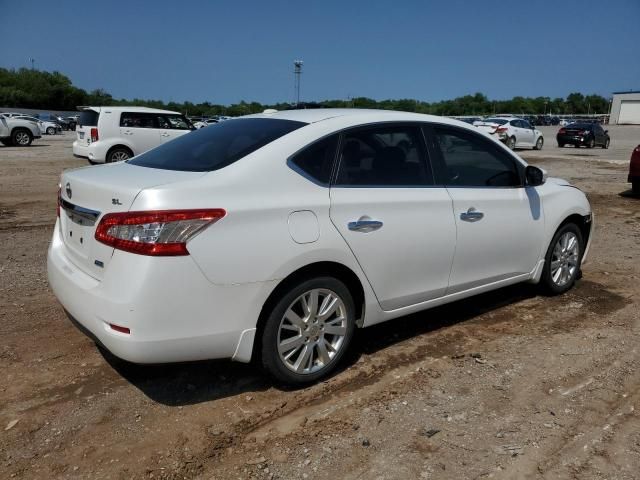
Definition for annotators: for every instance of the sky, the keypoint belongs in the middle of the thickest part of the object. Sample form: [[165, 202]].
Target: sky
[[226, 51]]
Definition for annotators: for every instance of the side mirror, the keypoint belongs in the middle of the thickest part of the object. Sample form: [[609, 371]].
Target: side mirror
[[534, 176]]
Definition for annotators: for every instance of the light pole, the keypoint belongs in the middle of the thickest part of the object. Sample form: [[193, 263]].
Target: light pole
[[297, 71], [33, 61]]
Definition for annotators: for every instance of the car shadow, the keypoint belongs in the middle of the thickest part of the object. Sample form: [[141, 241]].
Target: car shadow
[[629, 194], [191, 383]]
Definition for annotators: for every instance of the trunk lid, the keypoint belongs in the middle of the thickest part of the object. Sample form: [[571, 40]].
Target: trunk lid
[[87, 194]]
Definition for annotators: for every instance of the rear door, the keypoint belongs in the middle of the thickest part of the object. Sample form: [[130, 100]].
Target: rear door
[[140, 130], [499, 222], [396, 221]]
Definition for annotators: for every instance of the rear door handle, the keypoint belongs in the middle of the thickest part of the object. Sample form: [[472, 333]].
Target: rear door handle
[[128, 132], [365, 226], [471, 215], [164, 134]]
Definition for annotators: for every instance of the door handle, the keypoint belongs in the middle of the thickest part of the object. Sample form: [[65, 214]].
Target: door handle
[[128, 132], [365, 226], [164, 134], [471, 215]]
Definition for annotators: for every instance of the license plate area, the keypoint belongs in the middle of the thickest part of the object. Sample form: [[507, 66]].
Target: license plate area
[[77, 232]]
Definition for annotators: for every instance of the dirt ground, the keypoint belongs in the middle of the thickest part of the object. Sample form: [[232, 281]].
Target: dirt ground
[[510, 384]]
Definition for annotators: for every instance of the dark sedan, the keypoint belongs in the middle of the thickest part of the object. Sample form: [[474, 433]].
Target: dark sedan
[[587, 134]]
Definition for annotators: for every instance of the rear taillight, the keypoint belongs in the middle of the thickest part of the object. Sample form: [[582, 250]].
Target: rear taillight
[[94, 135], [562, 130], [156, 233], [501, 129]]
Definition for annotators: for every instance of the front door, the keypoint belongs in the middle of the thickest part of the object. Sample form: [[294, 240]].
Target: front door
[[398, 225], [499, 222]]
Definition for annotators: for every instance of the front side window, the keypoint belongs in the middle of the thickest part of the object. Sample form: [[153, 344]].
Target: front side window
[[175, 122], [472, 161], [385, 156], [316, 161], [216, 146]]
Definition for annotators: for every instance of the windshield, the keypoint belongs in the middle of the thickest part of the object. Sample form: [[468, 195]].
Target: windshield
[[216, 146]]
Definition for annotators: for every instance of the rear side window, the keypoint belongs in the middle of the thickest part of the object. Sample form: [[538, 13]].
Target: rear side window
[[88, 118], [472, 161], [383, 156], [138, 120], [316, 161], [216, 146]]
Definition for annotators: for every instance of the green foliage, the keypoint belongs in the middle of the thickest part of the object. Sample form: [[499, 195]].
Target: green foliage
[[54, 91]]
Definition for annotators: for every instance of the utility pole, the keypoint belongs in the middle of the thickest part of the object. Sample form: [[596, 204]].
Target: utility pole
[[33, 61], [297, 71]]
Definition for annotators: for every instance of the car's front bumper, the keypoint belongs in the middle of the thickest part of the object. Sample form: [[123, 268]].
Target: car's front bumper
[[173, 312]]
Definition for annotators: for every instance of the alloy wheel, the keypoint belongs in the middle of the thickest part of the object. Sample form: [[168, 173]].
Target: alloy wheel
[[564, 259], [312, 331], [119, 155], [22, 138]]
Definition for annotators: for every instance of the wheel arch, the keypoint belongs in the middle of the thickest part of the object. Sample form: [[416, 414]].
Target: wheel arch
[[327, 268]]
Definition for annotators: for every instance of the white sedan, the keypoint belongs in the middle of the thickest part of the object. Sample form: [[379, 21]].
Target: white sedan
[[513, 132], [276, 235]]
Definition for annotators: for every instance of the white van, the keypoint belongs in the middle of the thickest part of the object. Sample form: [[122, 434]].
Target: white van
[[112, 134]]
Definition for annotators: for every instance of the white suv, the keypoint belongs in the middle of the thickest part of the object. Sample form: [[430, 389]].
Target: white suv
[[512, 131], [112, 134]]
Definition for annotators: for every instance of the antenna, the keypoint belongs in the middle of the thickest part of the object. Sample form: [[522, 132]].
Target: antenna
[[297, 71]]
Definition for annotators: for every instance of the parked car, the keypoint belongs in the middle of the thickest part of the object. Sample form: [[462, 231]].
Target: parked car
[[18, 131], [587, 134], [634, 170], [112, 134], [512, 131], [275, 236], [50, 128], [72, 121]]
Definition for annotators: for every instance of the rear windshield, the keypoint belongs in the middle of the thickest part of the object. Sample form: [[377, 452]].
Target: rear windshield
[[216, 146], [581, 126], [499, 121], [88, 118]]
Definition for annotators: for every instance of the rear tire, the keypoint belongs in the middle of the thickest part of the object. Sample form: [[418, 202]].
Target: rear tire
[[591, 144], [606, 143], [560, 145], [51, 131], [301, 342], [511, 143], [118, 154], [562, 261], [21, 137], [635, 187], [6, 143]]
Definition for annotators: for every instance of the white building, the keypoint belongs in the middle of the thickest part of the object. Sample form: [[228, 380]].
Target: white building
[[625, 108]]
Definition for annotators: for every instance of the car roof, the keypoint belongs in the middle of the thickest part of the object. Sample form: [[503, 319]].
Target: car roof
[[125, 108], [358, 115]]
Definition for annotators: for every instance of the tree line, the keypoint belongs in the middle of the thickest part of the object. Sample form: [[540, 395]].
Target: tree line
[[27, 88]]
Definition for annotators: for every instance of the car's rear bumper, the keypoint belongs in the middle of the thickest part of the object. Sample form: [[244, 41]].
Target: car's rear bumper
[[573, 139], [92, 152], [173, 312]]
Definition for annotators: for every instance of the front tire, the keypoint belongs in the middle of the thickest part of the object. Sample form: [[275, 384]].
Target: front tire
[[591, 144], [562, 262], [560, 145], [539, 144], [606, 143], [635, 187], [308, 331], [21, 137]]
